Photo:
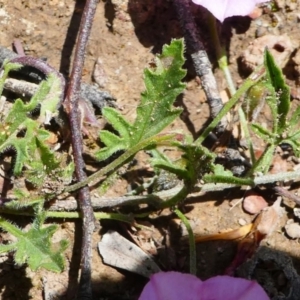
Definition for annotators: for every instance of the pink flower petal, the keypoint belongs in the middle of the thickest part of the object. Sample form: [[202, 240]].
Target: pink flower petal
[[172, 286], [179, 286], [222, 9], [231, 288]]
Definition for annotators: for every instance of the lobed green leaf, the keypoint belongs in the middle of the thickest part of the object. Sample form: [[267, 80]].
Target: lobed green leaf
[[34, 247], [155, 112]]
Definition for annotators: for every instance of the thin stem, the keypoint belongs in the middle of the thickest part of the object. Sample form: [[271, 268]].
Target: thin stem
[[160, 199], [98, 176], [69, 215], [71, 106], [193, 258], [200, 59], [97, 97], [221, 54], [250, 81], [247, 135], [42, 67]]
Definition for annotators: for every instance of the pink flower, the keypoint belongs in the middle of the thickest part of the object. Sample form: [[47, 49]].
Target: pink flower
[[222, 9], [179, 286]]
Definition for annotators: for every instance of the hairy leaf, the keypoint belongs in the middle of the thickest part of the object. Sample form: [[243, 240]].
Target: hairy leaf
[[34, 246], [281, 97], [23, 135], [155, 112], [262, 132], [264, 162], [224, 176]]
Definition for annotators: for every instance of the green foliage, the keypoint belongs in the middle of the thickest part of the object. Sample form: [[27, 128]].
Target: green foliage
[[255, 99], [34, 246], [7, 67], [155, 112], [41, 167], [23, 134], [220, 175], [41, 163], [27, 139], [277, 96], [194, 163], [272, 90]]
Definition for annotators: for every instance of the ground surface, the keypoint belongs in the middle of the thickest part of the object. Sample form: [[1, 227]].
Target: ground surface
[[125, 36]]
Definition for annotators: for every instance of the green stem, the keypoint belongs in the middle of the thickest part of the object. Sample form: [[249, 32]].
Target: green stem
[[247, 134], [221, 54], [97, 176], [193, 258], [249, 82], [228, 179], [64, 215], [180, 196]]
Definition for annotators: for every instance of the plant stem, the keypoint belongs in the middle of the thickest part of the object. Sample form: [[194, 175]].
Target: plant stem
[[249, 82], [42, 67], [160, 199], [193, 258], [70, 215], [71, 107], [221, 53], [97, 176], [200, 59]]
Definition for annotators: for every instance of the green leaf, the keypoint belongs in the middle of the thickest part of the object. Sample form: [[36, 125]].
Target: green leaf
[[7, 66], [45, 154], [50, 98], [118, 123], [294, 120], [262, 165], [282, 91], [155, 112], [172, 167], [34, 246], [262, 132], [199, 160], [220, 171], [23, 198], [21, 144], [254, 100], [295, 144], [113, 144], [22, 134], [294, 136], [225, 176]]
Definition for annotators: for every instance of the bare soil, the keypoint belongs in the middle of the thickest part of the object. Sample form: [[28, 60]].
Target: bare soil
[[125, 37]]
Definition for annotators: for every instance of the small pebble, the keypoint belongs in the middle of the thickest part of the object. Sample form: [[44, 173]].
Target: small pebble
[[242, 222], [254, 203], [293, 230], [297, 212]]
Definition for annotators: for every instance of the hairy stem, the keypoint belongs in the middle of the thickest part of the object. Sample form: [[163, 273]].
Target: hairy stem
[[193, 257], [221, 54], [249, 82], [98, 176], [42, 67], [71, 106]]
